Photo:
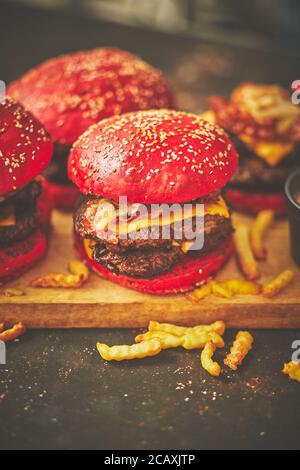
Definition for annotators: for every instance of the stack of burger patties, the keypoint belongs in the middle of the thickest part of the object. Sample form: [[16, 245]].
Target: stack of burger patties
[[265, 127], [153, 158], [71, 92], [25, 151]]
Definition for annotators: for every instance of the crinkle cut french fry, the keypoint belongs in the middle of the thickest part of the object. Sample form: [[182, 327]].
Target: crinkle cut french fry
[[244, 253], [58, 280], [167, 340], [79, 268], [240, 348], [221, 290], [278, 284], [12, 333], [242, 287], [135, 351], [200, 293], [217, 327], [197, 340], [212, 367], [292, 369], [261, 224]]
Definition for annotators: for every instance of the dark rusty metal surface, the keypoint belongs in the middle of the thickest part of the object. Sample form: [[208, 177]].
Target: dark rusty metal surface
[[55, 391]]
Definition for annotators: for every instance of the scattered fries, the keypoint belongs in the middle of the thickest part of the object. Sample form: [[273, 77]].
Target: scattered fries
[[239, 350], [212, 367], [196, 340], [200, 293], [242, 287], [278, 284], [217, 327], [135, 351], [221, 290], [262, 222], [245, 254], [12, 333], [167, 340], [292, 369], [79, 274]]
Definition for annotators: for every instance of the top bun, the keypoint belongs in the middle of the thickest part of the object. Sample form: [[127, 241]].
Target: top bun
[[69, 93], [152, 157], [25, 147]]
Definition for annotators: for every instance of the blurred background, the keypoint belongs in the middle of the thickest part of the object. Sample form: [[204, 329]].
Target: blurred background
[[264, 23]]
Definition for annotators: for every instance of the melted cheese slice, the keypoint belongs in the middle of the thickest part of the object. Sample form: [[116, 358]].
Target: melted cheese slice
[[271, 152], [107, 216], [8, 217]]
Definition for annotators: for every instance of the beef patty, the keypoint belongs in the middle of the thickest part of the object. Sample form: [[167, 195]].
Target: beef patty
[[26, 213], [255, 174], [141, 257]]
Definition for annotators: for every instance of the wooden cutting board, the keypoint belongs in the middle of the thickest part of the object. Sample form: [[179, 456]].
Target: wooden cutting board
[[100, 303]]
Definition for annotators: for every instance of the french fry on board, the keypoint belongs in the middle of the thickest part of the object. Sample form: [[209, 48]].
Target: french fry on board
[[239, 350], [278, 284], [200, 293], [292, 369], [135, 351], [212, 367], [221, 290], [261, 224], [242, 287], [166, 339], [217, 327], [244, 253], [12, 333], [57, 280], [197, 340], [78, 268]]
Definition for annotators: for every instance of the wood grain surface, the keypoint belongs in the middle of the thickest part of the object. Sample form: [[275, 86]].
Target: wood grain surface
[[102, 304]]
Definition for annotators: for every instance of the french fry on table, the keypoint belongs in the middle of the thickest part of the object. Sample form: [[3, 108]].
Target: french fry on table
[[197, 340], [212, 367], [278, 284], [12, 333], [292, 369], [166, 339], [217, 327], [135, 351], [261, 224], [239, 350], [244, 253]]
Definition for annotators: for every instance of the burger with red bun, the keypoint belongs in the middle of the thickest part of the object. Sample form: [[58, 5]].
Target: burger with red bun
[[25, 151], [70, 93], [154, 160], [265, 128]]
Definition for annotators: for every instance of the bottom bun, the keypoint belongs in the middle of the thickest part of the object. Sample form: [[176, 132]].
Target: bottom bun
[[17, 258], [182, 278], [255, 202], [63, 197]]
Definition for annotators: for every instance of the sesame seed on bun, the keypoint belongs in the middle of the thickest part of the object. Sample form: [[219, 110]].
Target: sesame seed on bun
[[71, 92], [152, 157], [25, 147]]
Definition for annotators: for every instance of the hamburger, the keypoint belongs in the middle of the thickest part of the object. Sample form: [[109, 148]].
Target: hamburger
[[25, 151], [70, 93], [265, 128], [153, 158]]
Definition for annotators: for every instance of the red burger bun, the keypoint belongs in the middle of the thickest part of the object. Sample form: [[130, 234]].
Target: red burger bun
[[25, 146], [17, 258], [63, 197], [181, 278], [255, 202], [152, 156], [71, 92]]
